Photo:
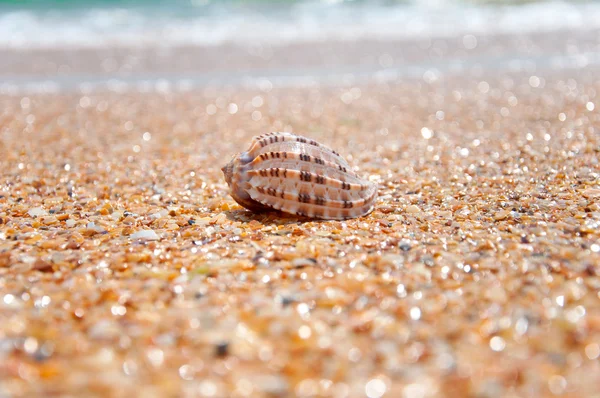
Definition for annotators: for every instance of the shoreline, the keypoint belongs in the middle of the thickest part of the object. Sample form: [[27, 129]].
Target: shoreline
[[264, 82], [322, 62]]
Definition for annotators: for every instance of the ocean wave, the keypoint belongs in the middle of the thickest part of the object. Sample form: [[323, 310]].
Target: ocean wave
[[295, 22]]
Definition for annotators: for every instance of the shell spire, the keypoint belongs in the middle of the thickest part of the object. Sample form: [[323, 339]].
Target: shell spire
[[297, 175]]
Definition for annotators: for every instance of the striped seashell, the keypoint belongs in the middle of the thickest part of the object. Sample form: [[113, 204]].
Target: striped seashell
[[297, 175]]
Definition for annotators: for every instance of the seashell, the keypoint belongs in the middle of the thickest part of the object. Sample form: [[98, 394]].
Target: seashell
[[297, 175]]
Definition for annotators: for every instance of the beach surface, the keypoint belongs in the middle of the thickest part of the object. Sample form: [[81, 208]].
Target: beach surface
[[126, 269]]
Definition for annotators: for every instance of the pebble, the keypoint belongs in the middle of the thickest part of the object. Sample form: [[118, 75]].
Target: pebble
[[145, 234], [222, 349], [404, 246], [591, 193], [413, 209], [42, 266], [501, 215], [304, 262], [92, 227], [37, 212]]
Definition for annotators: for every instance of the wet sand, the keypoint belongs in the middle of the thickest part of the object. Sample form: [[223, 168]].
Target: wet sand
[[127, 270], [410, 57]]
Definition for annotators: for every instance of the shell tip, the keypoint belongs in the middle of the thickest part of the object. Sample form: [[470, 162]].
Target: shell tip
[[228, 171]]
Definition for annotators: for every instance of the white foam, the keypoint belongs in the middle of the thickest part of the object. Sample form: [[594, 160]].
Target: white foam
[[302, 22]]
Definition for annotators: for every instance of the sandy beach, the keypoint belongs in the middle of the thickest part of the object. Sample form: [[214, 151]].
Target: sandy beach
[[126, 269]]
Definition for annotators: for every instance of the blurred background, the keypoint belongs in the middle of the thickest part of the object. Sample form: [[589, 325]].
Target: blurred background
[[67, 42]]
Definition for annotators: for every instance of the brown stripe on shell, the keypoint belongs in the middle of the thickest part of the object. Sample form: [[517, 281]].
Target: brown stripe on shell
[[329, 175], [286, 142], [309, 177], [312, 210], [271, 138], [295, 185], [302, 158], [306, 197]]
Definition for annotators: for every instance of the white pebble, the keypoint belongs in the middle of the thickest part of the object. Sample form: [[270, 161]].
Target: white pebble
[[413, 209], [37, 212], [146, 234], [93, 227], [160, 214]]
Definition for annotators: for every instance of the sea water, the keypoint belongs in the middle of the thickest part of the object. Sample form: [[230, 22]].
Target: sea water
[[84, 24], [50, 42]]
